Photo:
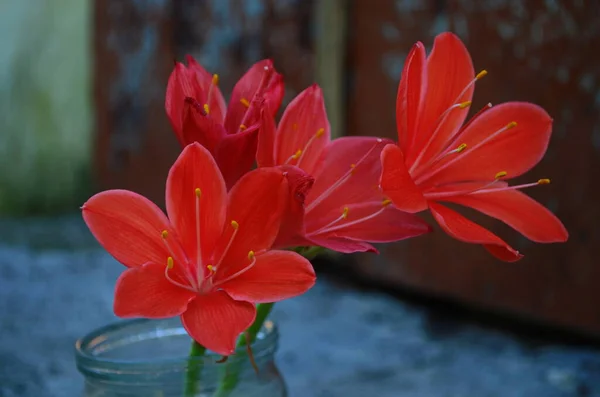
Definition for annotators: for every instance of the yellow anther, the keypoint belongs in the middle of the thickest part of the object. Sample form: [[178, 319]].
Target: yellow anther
[[251, 255], [352, 165], [210, 268], [464, 105], [215, 79], [198, 192], [235, 225], [164, 234], [206, 108], [386, 202], [245, 102], [242, 127], [297, 155], [170, 262], [544, 181], [501, 174], [295, 126], [461, 147], [320, 132], [512, 124], [345, 212], [481, 74]]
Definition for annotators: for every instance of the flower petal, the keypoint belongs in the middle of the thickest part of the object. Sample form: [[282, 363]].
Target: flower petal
[[178, 88], [196, 169], [198, 127], [463, 229], [449, 73], [266, 138], [245, 89], [276, 275], [216, 320], [256, 203], [292, 231], [128, 226], [236, 154], [520, 212], [376, 223], [397, 184], [204, 86], [514, 150], [349, 174], [304, 131], [408, 99], [144, 291], [342, 244]]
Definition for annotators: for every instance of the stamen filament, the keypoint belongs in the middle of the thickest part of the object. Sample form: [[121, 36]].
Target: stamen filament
[[294, 156], [320, 132], [384, 204], [342, 179], [439, 124], [213, 83], [259, 92], [235, 227], [468, 123], [340, 218], [199, 267], [421, 178], [252, 257], [169, 266], [190, 278], [516, 187]]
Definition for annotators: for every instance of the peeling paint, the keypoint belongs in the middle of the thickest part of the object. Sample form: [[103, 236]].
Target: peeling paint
[[134, 47]]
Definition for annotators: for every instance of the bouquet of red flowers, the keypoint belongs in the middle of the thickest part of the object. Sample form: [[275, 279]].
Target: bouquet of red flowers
[[249, 201]]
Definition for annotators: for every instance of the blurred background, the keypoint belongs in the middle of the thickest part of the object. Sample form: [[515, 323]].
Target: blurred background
[[82, 86]]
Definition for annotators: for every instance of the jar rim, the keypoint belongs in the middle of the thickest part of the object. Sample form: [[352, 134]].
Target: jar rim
[[88, 360]]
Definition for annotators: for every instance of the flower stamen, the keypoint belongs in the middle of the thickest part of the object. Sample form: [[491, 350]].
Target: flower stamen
[[384, 204], [320, 132], [342, 179], [251, 257], [170, 265], [421, 178], [235, 226], [213, 83], [165, 235], [294, 156], [439, 124]]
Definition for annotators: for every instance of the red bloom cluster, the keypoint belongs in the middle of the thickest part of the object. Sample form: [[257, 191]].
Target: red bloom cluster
[[221, 247]]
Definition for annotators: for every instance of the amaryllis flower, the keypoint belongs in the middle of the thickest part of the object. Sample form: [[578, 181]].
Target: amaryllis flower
[[438, 159], [209, 261], [198, 113], [345, 209]]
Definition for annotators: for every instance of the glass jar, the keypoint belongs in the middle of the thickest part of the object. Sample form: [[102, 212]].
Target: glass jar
[[149, 358]]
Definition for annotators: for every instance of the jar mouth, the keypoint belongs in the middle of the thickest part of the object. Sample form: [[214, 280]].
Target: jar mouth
[[137, 345]]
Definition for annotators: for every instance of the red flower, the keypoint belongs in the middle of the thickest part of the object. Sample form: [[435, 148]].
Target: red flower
[[438, 159], [196, 109], [209, 261], [345, 209]]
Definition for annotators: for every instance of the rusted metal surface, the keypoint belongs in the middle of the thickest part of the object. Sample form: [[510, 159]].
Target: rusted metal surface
[[536, 51], [133, 58], [135, 43]]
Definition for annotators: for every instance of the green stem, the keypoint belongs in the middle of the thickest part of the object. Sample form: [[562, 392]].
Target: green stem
[[230, 371], [192, 376]]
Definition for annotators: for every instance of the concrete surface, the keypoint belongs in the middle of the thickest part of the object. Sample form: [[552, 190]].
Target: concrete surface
[[56, 285]]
